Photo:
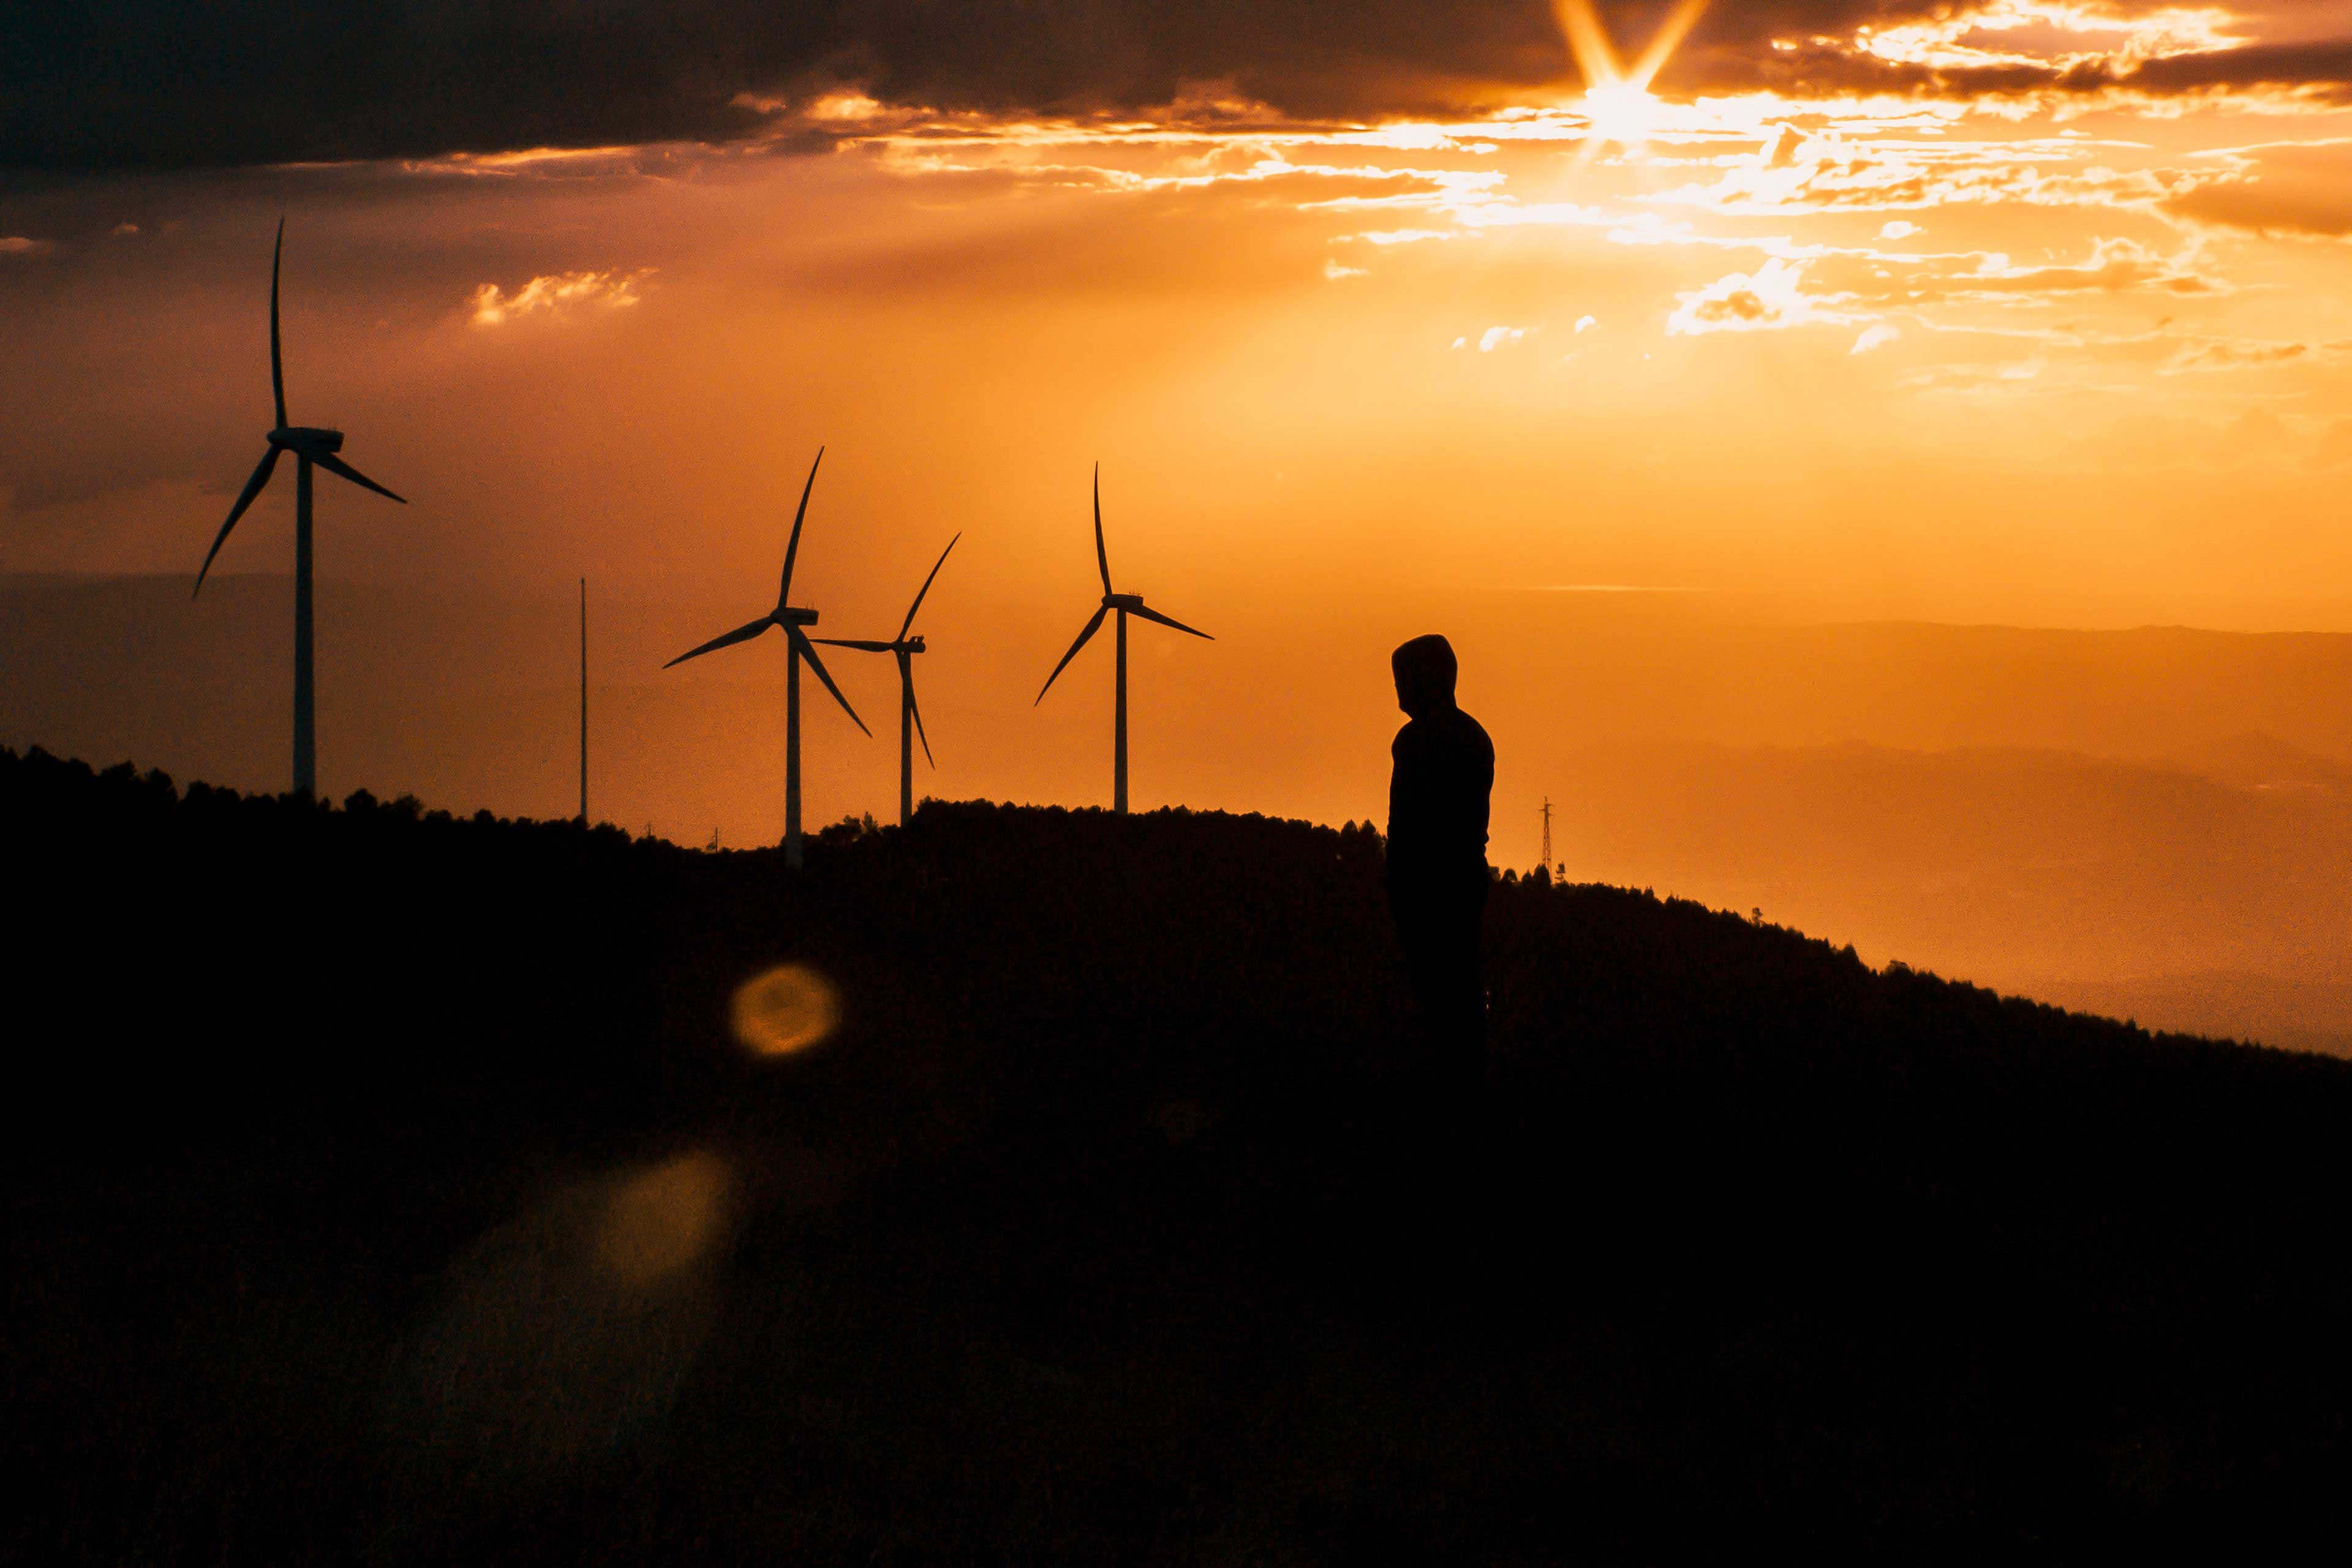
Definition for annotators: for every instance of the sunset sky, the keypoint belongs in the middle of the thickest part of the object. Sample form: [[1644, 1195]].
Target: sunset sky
[[2019, 310], [1380, 318]]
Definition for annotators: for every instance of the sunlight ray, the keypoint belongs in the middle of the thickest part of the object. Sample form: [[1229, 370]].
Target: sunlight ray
[[1596, 55], [1588, 40], [1617, 102], [1668, 38]]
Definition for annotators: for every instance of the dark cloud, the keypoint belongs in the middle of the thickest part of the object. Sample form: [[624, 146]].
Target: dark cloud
[[208, 83], [1803, 47], [2325, 63], [198, 83], [183, 83]]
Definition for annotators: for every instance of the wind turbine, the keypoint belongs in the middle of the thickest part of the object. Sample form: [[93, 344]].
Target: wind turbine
[[792, 619], [311, 445], [1126, 604], [910, 717]]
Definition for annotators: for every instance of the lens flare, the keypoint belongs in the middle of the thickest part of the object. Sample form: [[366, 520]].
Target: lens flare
[[663, 1219], [564, 1330], [789, 1008]]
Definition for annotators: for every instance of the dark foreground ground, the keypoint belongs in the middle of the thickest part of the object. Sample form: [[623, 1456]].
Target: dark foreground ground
[[394, 1189]]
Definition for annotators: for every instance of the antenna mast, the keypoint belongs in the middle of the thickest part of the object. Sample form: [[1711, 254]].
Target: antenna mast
[[583, 701], [1546, 835]]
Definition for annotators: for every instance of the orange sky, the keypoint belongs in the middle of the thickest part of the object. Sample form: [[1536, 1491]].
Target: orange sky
[[1981, 358], [1922, 348]]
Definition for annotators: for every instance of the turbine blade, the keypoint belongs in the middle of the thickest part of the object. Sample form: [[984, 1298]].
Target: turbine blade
[[335, 465], [244, 499], [907, 674], [808, 652], [277, 362], [860, 644], [1169, 621], [1092, 627], [1102, 557], [925, 589], [784, 593], [741, 634]]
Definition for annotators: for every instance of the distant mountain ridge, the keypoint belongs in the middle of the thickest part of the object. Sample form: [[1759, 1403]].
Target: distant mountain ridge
[[2118, 811]]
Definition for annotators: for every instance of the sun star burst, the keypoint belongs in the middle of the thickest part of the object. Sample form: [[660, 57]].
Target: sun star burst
[[1617, 98]]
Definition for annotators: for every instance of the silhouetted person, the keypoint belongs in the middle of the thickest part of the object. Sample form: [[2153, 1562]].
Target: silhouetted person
[[1444, 768]]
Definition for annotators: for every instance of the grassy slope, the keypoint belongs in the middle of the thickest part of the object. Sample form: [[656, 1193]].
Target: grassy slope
[[1109, 1224]]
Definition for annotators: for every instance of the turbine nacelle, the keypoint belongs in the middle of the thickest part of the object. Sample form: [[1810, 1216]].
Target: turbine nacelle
[[306, 440], [1130, 602], [912, 644], [791, 615]]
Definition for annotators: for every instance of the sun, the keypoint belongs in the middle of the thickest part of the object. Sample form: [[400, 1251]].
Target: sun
[[1620, 111], [1617, 98]]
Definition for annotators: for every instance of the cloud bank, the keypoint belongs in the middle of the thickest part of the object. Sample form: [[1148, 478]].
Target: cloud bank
[[162, 83]]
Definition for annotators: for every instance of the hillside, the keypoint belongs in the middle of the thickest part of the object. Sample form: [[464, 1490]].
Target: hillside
[[2155, 822], [383, 1184]]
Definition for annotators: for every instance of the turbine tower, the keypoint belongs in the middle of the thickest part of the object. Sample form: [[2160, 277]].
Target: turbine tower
[[1126, 604], [311, 446], [792, 619], [910, 717]]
